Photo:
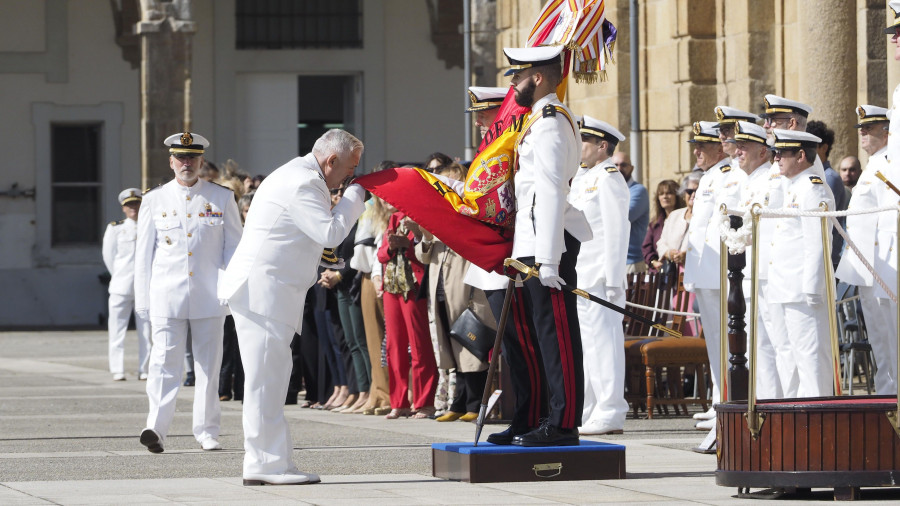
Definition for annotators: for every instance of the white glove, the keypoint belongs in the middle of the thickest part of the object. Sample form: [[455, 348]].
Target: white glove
[[142, 313], [223, 302], [813, 299], [613, 294], [549, 276]]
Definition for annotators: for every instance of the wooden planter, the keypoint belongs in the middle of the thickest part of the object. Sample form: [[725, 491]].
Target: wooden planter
[[832, 442]]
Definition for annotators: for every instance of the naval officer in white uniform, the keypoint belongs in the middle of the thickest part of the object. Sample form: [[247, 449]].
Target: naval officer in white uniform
[[863, 230], [118, 255], [187, 231], [602, 194], [289, 225], [798, 265], [701, 264]]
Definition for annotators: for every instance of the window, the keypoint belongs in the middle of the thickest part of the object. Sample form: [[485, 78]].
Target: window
[[324, 102], [298, 24], [76, 185]]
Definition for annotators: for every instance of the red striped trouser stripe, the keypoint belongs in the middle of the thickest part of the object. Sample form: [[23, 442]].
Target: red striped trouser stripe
[[526, 344], [565, 354]]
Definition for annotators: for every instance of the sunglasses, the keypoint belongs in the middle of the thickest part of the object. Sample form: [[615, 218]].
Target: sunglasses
[[690, 191]]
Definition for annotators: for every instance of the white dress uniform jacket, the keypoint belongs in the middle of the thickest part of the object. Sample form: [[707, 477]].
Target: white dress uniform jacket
[[118, 255], [186, 236], [796, 260], [602, 194], [288, 226], [861, 228], [701, 264], [549, 155], [764, 186]]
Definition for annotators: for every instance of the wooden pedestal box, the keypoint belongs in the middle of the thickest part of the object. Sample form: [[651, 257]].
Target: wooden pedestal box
[[487, 463]]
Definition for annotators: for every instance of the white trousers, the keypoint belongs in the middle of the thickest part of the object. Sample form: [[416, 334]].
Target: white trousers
[[776, 333], [120, 308], [710, 316], [167, 366], [266, 354], [881, 328], [807, 331], [768, 383], [603, 345]]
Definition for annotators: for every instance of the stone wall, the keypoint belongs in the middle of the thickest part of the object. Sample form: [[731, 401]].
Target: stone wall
[[696, 54]]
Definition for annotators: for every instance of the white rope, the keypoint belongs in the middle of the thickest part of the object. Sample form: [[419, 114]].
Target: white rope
[[785, 212], [737, 240], [663, 311], [866, 264]]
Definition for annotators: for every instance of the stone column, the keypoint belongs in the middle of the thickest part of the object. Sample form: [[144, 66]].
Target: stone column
[[826, 61], [165, 31]]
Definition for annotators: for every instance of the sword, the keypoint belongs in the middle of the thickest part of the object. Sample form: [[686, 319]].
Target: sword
[[530, 272], [495, 359], [890, 185]]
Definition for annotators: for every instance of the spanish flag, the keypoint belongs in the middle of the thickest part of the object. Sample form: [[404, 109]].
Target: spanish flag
[[478, 223]]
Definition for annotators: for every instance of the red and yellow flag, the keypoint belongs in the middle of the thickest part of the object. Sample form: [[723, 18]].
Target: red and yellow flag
[[488, 195]]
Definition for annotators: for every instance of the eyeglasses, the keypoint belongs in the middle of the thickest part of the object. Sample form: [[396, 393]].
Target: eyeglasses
[[786, 152], [689, 191]]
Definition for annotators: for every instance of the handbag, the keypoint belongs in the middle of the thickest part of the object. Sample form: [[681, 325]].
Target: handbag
[[669, 273], [472, 334]]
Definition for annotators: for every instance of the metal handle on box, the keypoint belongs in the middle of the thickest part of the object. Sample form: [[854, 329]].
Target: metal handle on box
[[556, 467]]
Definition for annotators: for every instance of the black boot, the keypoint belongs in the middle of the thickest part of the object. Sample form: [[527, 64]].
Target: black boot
[[548, 435], [506, 437]]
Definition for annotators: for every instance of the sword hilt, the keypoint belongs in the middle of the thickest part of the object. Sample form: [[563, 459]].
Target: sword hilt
[[527, 270]]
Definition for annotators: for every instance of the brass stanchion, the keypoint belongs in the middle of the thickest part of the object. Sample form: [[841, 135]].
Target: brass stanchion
[[830, 301], [894, 416], [755, 420], [723, 312]]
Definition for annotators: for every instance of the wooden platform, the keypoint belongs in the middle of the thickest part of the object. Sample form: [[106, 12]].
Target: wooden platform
[[487, 463], [842, 443]]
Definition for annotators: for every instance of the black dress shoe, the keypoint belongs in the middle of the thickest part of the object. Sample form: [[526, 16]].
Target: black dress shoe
[[189, 380], [506, 437], [548, 435]]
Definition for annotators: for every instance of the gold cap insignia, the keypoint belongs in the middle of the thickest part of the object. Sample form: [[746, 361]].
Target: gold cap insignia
[[696, 128], [861, 112], [187, 139], [719, 114], [766, 102]]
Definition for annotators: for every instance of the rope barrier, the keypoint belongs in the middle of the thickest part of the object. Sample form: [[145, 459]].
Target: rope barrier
[[737, 240], [663, 311]]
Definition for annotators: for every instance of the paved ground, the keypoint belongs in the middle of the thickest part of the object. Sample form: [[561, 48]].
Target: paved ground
[[68, 435]]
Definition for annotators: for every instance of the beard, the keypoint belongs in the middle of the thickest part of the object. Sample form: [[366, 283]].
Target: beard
[[525, 97], [188, 178]]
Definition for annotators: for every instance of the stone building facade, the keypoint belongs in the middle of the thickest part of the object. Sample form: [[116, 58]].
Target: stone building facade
[[695, 54]]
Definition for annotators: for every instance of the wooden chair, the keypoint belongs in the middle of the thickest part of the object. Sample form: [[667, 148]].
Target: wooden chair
[[676, 357]]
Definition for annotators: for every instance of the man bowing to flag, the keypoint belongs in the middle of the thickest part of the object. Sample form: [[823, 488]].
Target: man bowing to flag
[[276, 262]]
